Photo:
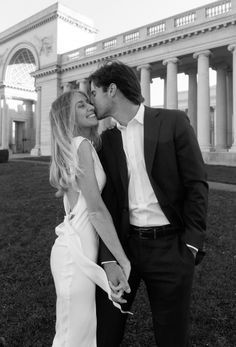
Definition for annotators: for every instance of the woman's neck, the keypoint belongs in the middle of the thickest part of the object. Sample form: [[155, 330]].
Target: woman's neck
[[85, 132]]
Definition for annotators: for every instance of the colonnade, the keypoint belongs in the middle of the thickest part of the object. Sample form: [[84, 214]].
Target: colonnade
[[198, 98]]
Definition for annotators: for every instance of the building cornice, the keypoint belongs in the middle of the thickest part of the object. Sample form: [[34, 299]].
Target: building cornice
[[133, 48], [77, 23], [46, 71], [5, 36], [32, 24]]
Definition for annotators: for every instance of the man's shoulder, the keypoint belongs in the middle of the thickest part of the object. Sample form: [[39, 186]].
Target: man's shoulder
[[165, 111], [172, 115]]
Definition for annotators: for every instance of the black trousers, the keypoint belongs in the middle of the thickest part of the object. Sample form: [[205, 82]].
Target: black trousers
[[167, 266]]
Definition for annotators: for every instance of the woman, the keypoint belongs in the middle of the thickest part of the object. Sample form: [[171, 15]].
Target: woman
[[77, 173]]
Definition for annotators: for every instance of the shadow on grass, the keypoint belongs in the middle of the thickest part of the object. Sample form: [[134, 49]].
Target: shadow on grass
[[29, 214]]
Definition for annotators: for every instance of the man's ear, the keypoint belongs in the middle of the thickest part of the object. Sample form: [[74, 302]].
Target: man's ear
[[112, 89]]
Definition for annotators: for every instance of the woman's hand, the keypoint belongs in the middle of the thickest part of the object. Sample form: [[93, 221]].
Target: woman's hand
[[118, 282]]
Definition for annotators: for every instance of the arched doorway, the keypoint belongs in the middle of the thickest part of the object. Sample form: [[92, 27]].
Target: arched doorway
[[20, 98]]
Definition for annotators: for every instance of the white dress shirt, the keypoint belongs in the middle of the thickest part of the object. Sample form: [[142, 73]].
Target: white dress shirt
[[143, 205]]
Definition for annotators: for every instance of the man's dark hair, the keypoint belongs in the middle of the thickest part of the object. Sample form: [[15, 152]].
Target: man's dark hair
[[114, 71]]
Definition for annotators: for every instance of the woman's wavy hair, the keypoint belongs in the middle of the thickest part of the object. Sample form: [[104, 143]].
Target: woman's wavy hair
[[64, 159]]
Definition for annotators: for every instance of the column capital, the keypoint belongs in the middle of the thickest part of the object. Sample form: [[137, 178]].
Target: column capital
[[191, 71], [232, 47], [205, 53], [173, 60], [163, 76], [144, 66], [81, 80], [66, 86], [220, 65]]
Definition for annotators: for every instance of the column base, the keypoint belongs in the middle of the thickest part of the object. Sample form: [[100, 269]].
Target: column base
[[220, 149], [217, 158], [232, 149], [36, 152], [205, 148]]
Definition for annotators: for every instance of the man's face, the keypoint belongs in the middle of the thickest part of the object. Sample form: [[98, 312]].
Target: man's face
[[101, 102]]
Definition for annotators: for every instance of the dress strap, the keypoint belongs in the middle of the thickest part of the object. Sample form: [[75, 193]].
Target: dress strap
[[78, 140]]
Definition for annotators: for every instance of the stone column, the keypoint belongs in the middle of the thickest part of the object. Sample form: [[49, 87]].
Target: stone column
[[83, 85], [5, 125], [29, 135], [145, 79], [36, 151], [172, 90], [232, 48], [229, 94], [192, 97], [163, 77], [221, 108], [203, 100]]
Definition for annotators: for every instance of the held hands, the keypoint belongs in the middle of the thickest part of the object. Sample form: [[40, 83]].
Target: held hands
[[118, 280]]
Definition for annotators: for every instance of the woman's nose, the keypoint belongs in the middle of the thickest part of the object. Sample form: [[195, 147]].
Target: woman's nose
[[91, 107]]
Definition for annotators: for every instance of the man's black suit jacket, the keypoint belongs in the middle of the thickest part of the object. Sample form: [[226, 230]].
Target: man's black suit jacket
[[176, 171]]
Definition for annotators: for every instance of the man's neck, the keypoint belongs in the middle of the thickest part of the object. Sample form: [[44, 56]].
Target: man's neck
[[125, 113]]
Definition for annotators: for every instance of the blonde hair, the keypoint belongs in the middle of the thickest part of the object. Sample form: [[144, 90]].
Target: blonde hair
[[64, 160]]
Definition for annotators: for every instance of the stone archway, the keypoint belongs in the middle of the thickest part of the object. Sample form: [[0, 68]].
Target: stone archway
[[19, 99]]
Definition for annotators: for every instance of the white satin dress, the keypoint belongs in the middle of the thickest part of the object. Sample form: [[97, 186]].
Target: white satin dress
[[75, 272]]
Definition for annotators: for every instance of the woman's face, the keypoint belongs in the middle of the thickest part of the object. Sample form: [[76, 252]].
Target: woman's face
[[84, 112]]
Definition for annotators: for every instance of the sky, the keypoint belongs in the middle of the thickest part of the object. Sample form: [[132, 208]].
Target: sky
[[110, 17]]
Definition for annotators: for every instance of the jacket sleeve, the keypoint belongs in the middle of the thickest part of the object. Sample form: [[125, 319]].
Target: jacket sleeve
[[193, 176]]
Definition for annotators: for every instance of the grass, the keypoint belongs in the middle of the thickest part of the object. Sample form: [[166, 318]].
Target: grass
[[29, 214], [220, 173], [215, 173]]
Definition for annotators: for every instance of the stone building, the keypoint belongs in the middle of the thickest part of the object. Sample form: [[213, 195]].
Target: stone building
[[55, 50]]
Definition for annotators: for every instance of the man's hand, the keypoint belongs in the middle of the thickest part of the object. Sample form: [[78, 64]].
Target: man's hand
[[117, 280]]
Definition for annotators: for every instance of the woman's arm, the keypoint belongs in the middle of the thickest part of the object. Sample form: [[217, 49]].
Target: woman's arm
[[98, 214]]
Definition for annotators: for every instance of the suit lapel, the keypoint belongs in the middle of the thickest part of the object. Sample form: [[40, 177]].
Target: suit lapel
[[152, 124], [117, 149]]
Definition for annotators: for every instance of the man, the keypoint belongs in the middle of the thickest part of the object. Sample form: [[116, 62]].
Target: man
[[156, 192]]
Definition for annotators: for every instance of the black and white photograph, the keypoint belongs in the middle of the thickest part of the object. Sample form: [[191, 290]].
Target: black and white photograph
[[118, 173]]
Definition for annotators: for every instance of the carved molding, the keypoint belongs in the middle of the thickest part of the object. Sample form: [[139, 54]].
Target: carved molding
[[46, 71], [96, 58], [173, 60], [45, 45], [3, 56], [28, 27], [45, 20]]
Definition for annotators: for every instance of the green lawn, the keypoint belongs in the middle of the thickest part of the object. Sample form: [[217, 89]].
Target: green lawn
[[29, 214]]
